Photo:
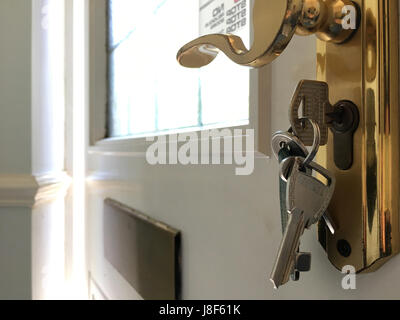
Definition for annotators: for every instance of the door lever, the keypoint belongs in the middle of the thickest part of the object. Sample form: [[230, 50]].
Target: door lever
[[275, 22]]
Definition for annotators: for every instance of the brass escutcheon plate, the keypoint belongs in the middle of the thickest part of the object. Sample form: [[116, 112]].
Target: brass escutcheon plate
[[365, 206]]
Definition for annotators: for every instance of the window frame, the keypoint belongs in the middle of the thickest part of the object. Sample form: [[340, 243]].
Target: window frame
[[259, 101]]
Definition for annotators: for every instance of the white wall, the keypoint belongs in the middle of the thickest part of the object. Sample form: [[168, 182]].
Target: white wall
[[15, 253], [15, 143], [32, 182], [15, 86]]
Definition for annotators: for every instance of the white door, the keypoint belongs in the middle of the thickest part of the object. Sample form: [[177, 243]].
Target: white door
[[230, 224]]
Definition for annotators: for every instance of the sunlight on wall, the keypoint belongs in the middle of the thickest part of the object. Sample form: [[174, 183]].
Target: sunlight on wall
[[79, 106], [48, 254], [48, 111]]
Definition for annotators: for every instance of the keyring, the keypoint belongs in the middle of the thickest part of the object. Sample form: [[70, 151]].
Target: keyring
[[288, 139], [286, 164], [316, 142], [284, 168]]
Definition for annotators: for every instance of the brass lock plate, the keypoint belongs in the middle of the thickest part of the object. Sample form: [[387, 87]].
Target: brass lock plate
[[365, 206]]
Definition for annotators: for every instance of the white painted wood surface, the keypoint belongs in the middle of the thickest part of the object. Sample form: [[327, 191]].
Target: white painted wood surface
[[230, 225]]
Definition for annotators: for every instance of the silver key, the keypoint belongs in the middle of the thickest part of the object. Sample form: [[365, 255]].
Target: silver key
[[287, 138], [307, 200], [310, 100], [307, 193], [287, 254]]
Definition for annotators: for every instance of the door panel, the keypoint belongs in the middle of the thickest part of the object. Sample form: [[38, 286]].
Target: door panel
[[230, 224]]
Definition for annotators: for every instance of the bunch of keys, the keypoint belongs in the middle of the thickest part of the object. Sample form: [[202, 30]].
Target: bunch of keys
[[304, 197]]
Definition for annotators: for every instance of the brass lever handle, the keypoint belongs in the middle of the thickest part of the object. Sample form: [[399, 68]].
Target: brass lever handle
[[275, 22]]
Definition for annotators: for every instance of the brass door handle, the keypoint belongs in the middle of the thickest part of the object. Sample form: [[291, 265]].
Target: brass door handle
[[275, 22]]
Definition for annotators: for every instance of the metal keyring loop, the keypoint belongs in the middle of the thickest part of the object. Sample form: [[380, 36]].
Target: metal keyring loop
[[287, 139], [316, 142], [284, 168]]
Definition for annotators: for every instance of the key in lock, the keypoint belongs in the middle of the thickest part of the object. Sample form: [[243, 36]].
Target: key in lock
[[311, 101]]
